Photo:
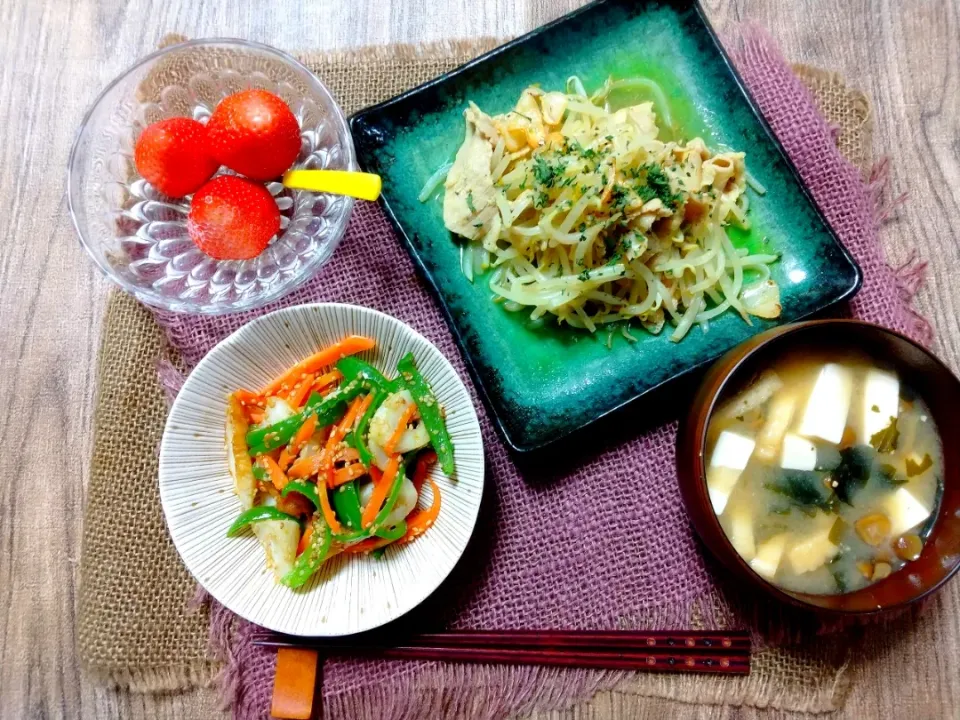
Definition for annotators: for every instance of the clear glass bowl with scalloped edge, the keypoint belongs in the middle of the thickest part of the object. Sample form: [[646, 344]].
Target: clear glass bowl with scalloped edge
[[138, 236]]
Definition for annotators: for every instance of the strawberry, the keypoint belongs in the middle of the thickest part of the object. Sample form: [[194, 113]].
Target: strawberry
[[254, 133], [232, 218], [172, 155]]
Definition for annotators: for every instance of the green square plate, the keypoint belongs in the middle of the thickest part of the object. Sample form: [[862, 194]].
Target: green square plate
[[543, 383]]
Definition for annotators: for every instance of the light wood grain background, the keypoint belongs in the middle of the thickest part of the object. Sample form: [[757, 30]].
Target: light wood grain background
[[55, 55]]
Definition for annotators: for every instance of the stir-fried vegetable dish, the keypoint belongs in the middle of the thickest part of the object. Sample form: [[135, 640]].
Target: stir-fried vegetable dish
[[331, 457]]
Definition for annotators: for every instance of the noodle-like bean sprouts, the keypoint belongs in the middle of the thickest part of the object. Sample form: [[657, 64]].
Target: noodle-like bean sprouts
[[583, 213]]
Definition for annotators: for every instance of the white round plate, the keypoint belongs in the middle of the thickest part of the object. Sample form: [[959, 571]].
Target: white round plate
[[351, 593]]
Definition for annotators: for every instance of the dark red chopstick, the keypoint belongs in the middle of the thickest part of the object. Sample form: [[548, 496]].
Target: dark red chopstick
[[672, 651]]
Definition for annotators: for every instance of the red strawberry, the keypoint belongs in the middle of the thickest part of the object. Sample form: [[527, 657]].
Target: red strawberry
[[254, 133], [172, 155], [232, 218]]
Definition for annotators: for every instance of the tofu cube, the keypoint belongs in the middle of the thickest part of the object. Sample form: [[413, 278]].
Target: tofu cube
[[741, 532], [767, 560], [905, 511], [720, 482], [730, 456], [732, 450], [827, 407], [812, 551], [798, 453], [881, 401]]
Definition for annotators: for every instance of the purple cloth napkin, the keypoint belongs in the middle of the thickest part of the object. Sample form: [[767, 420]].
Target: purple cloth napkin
[[555, 548]]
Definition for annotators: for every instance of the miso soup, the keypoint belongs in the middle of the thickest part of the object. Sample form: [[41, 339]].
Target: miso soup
[[825, 472]]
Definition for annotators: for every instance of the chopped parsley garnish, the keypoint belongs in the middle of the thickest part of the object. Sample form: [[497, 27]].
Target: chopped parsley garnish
[[659, 183], [540, 200], [545, 173], [585, 275], [470, 204], [619, 197]]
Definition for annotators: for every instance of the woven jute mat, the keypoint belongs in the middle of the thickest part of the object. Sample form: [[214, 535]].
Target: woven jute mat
[[135, 627]]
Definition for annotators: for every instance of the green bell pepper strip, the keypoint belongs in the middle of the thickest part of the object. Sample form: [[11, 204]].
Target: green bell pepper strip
[[354, 368], [260, 474], [394, 533], [308, 490], [430, 411], [391, 501], [310, 560], [358, 439], [257, 514], [327, 409], [346, 503]]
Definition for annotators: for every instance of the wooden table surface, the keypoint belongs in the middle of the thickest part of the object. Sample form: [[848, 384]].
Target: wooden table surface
[[55, 57]]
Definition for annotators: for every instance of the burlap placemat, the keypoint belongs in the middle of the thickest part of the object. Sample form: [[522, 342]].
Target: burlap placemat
[[134, 627]]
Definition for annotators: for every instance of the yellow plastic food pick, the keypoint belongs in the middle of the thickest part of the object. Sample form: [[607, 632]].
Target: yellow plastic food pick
[[365, 186]]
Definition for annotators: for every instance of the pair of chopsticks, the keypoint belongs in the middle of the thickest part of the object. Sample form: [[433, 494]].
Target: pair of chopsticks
[[664, 651]]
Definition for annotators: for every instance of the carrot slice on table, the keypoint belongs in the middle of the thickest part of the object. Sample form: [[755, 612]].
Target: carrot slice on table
[[380, 491], [277, 476], [405, 417], [350, 345], [294, 684], [419, 521], [348, 473]]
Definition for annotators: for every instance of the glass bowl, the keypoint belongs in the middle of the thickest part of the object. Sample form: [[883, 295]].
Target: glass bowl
[[138, 237]]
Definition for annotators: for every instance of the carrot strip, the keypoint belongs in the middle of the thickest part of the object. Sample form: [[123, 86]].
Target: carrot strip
[[348, 473], [366, 545], [425, 461], [306, 466], [357, 409], [305, 539], [286, 457], [298, 395], [326, 380], [304, 433], [380, 491], [405, 417], [328, 514], [350, 345], [277, 476], [248, 397], [255, 416], [340, 431], [419, 521], [349, 455]]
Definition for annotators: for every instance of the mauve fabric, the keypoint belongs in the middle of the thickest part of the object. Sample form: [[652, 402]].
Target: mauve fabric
[[601, 542]]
